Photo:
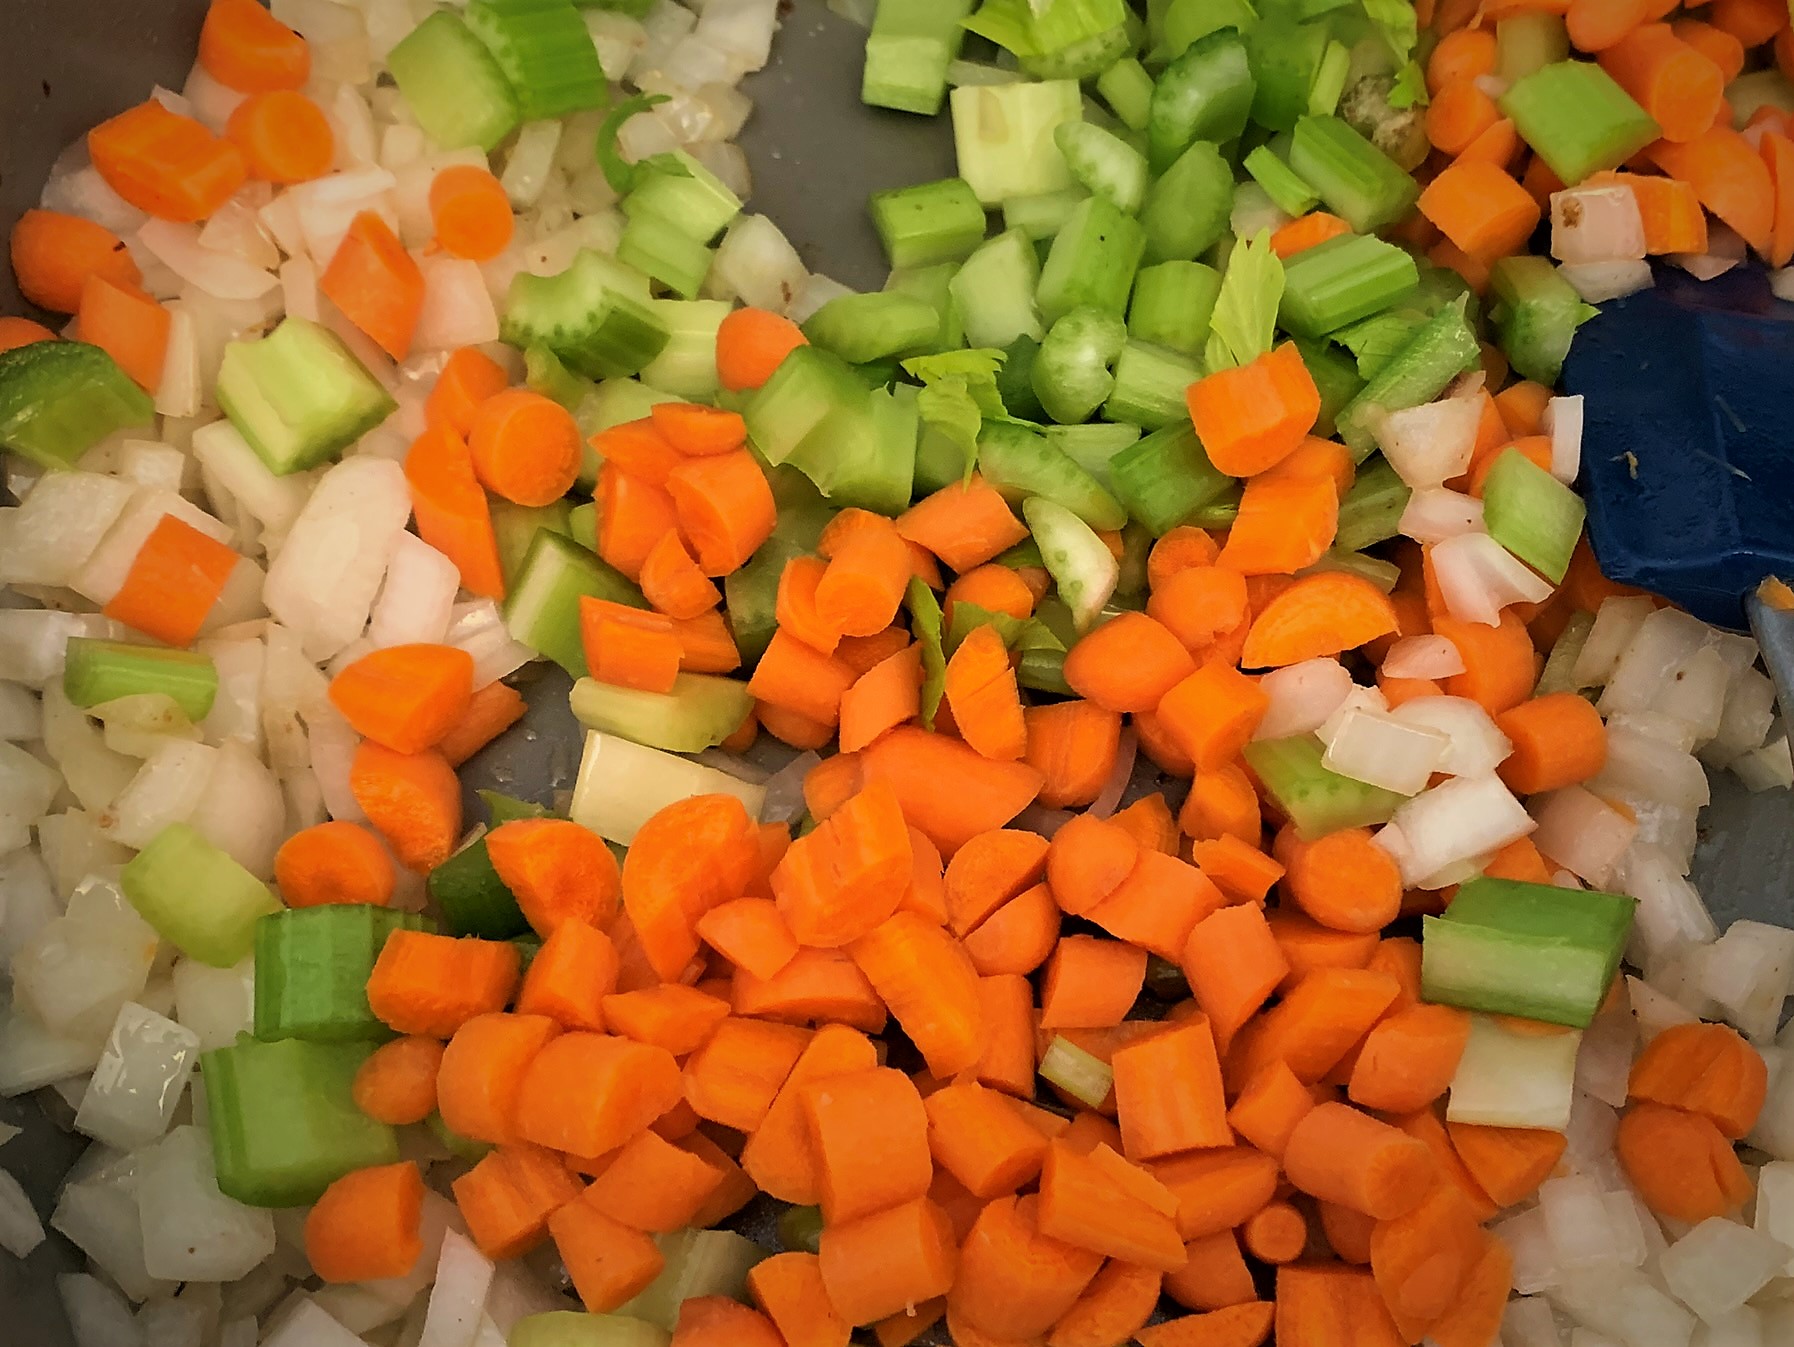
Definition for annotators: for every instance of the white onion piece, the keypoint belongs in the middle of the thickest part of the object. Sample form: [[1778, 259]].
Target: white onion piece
[[166, 789], [191, 1231], [1616, 622], [479, 628], [104, 572], [272, 501], [530, 162], [338, 38], [1781, 282], [352, 121], [1598, 282], [32, 1057], [1302, 697], [20, 1229], [785, 789], [1596, 224], [1562, 421], [224, 275], [139, 1079], [1037, 818], [31, 895], [741, 28], [1695, 696], [20, 719], [1707, 266], [1428, 444], [1528, 1321], [416, 597], [97, 1315], [1670, 913], [180, 392], [1642, 767], [1456, 820], [1580, 1226], [215, 1004], [307, 1324], [1423, 657], [458, 309], [235, 229], [137, 725], [1581, 832], [324, 209], [1477, 745], [1534, 1267], [1746, 972], [236, 715], [757, 262], [1375, 748], [242, 811], [1108, 799], [299, 289], [174, 1323], [50, 536], [1770, 767], [618, 38], [816, 291], [1654, 1011], [333, 744], [1719, 1265], [1604, 1062], [323, 582], [463, 1276], [74, 977], [1775, 1205], [1479, 577], [1356, 699]]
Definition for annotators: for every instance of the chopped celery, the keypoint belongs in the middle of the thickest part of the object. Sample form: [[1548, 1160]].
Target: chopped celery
[[594, 315], [1281, 183], [542, 608], [1172, 304], [1529, 41], [698, 1263], [751, 594], [933, 285], [1758, 89], [1510, 1075], [1071, 370], [1532, 514], [1188, 208], [1205, 94], [1003, 134], [514, 527], [1371, 511], [1068, 39], [1535, 312], [1316, 799], [929, 222], [462, 1148], [1127, 89], [60, 398], [544, 373], [1436, 355], [1243, 325], [621, 785], [199, 899], [473, 899], [1151, 384], [1559, 673], [98, 671], [1329, 80], [1343, 280], [1086, 1078], [545, 52], [925, 623], [453, 86], [503, 808], [696, 200], [1090, 446], [618, 400], [569, 1328], [312, 966], [1335, 378], [663, 251], [859, 328], [1188, 20], [1218, 513], [1092, 262], [686, 365], [1533, 950], [862, 453], [1040, 217], [995, 287], [1083, 568], [700, 712], [1285, 57], [1382, 574], [1359, 183], [298, 396], [1015, 381], [1577, 118], [1378, 339], [582, 525], [1165, 478], [800, 1229], [808, 387], [907, 54], [1104, 164], [1021, 464], [1043, 671], [284, 1121]]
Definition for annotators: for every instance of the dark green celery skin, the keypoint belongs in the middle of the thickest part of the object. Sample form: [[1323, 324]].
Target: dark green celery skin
[[1335, 377], [1165, 477], [1419, 372], [1372, 509], [1316, 799], [312, 966], [473, 899]]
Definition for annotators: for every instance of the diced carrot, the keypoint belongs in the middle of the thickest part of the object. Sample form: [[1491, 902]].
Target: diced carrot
[[129, 326], [868, 570], [1088, 859], [1212, 713], [433, 984], [587, 1094], [685, 860], [482, 1072], [1421, 1258], [334, 862], [471, 212], [653, 1185], [1217, 1189], [406, 697], [734, 1077], [965, 526], [751, 343], [788, 1288], [572, 973], [609, 1262], [979, 1137], [1707, 1069], [1456, 115], [1168, 1092], [986, 794], [54, 255], [525, 447], [1331, 1303], [379, 288], [882, 1264], [1233, 963], [1341, 1155], [507, 1198], [173, 583], [1013, 1280], [1306, 232], [675, 1018], [1213, 1276], [453, 514], [244, 47], [819, 986], [1006, 1018], [1729, 177], [1159, 904], [1500, 664], [491, 711], [285, 137], [925, 976], [1507, 1163], [1114, 1307], [366, 1225], [1269, 1107], [725, 509], [1102, 1202], [1251, 417], [396, 1085], [166, 164], [870, 1134], [1090, 983], [780, 1154]]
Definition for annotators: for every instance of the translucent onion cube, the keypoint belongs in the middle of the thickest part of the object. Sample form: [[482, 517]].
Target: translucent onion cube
[[1719, 1265], [134, 1090], [191, 1231]]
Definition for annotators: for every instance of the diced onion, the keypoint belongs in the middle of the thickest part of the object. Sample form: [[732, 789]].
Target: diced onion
[[1458, 819], [1303, 696], [1596, 224], [1429, 444], [20, 1229], [1479, 577], [1423, 657], [1477, 745], [225, 275], [1598, 282], [1375, 748], [1437, 513], [1617, 621], [1562, 421], [1581, 832], [1719, 1265]]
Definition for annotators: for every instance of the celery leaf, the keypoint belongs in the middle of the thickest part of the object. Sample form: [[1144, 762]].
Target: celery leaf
[[1244, 323]]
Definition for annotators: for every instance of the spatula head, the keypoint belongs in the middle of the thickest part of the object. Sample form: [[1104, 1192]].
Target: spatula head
[[1688, 438]]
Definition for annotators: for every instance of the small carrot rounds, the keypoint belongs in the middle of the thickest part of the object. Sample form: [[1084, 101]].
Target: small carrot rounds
[[334, 862], [525, 447], [751, 344], [245, 48], [378, 286], [1682, 1165], [396, 1085], [1341, 1155], [558, 872], [405, 697], [471, 213], [53, 255], [411, 799], [284, 137], [725, 509], [366, 1225]]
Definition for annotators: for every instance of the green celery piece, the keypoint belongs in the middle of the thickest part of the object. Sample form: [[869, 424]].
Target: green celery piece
[[1758, 89], [1071, 371], [569, 1328], [1018, 633], [1343, 280], [1068, 39], [60, 398], [686, 365], [582, 525], [1335, 378], [700, 712], [1330, 79], [933, 285], [1436, 355], [800, 1229], [1092, 262], [1015, 381], [752, 595], [1084, 571], [452, 85], [908, 51], [1136, 552], [1188, 208], [1533, 950], [97, 671], [864, 453], [1003, 134], [284, 1121], [504, 808], [698, 1263], [542, 608], [1577, 118], [312, 966], [1103, 163], [1285, 56], [994, 289], [1535, 312], [1172, 305], [1371, 511], [1165, 478], [1360, 184], [1378, 339], [663, 251], [1021, 463], [1151, 386], [859, 328], [1186, 21], [1314, 798], [595, 316], [298, 396], [199, 899], [1559, 673], [545, 52], [1382, 574], [1218, 513], [463, 1148], [1287, 191], [618, 400], [809, 386], [514, 528], [1127, 89], [1041, 217], [1532, 514], [1244, 322], [473, 899], [1205, 94], [695, 199], [1090, 446], [544, 373], [929, 222], [1530, 41], [926, 624]]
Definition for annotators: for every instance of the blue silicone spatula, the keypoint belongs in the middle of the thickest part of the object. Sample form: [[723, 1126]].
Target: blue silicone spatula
[[1688, 448]]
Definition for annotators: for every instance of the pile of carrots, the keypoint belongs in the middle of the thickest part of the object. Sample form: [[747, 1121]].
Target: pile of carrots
[[1486, 191]]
